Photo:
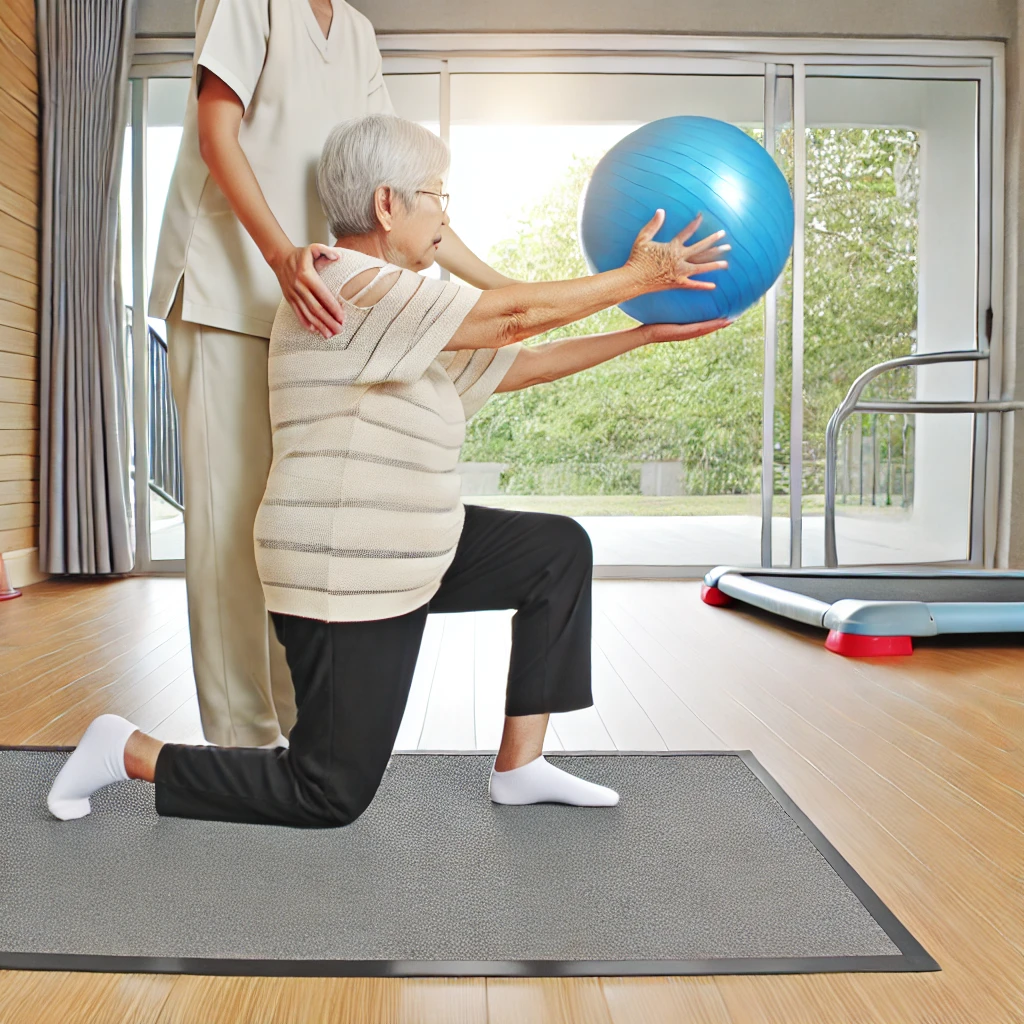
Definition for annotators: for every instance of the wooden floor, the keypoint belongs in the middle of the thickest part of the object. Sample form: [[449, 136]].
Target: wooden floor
[[911, 767]]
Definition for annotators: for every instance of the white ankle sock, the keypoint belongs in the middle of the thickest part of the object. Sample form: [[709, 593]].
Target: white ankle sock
[[540, 782], [97, 761]]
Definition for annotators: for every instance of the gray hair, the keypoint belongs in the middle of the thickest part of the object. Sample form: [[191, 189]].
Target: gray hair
[[363, 153]]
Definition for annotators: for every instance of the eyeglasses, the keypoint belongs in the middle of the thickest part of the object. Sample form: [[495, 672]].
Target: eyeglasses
[[443, 196]]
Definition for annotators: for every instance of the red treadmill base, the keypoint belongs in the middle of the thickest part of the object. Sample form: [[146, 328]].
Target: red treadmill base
[[853, 645], [712, 595]]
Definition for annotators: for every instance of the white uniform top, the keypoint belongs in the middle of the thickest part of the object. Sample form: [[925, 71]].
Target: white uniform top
[[295, 86]]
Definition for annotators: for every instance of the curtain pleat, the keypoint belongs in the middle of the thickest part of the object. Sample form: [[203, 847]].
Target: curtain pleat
[[85, 51]]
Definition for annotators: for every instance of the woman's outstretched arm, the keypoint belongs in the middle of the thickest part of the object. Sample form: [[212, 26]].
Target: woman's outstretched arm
[[563, 357], [504, 316]]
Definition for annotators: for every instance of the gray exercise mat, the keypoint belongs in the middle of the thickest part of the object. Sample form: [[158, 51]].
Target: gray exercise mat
[[705, 866]]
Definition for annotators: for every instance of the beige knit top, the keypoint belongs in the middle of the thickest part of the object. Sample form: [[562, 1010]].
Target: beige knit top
[[363, 509]]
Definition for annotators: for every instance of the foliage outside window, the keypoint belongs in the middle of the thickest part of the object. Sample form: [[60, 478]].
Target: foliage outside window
[[699, 402]]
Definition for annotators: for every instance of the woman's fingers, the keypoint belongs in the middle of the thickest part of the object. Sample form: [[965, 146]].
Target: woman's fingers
[[322, 255], [324, 305], [326, 251], [710, 255], [322, 320], [691, 282], [684, 332], [705, 243], [318, 298], [709, 327], [314, 312], [301, 313], [690, 228], [706, 268], [650, 229]]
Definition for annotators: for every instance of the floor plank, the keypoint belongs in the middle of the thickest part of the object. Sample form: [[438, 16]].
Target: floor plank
[[678, 726], [422, 681], [628, 724], [33, 997], [449, 723], [547, 1001], [491, 648], [665, 1001]]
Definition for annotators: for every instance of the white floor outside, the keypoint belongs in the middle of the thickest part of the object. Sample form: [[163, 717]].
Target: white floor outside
[[707, 540]]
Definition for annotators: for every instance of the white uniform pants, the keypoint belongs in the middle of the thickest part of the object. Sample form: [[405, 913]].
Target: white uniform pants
[[219, 381]]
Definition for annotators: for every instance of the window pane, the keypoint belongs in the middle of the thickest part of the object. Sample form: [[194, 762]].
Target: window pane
[[890, 270], [418, 98], [165, 114], [656, 452]]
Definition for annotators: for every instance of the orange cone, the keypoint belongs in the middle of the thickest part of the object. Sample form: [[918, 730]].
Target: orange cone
[[6, 590]]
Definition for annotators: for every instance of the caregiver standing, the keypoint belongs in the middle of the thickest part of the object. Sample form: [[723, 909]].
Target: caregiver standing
[[243, 225]]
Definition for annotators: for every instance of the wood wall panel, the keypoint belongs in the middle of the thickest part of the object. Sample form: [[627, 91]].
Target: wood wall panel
[[19, 442], [19, 492], [20, 208], [20, 392], [22, 29], [18, 265], [21, 343], [14, 314], [19, 237], [19, 291], [15, 416], [19, 276]]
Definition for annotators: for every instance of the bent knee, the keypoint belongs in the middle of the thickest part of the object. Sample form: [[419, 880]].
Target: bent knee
[[333, 810], [338, 813], [569, 538]]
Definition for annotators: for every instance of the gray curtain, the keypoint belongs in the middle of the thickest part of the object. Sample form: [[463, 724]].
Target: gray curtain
[[85, 51]]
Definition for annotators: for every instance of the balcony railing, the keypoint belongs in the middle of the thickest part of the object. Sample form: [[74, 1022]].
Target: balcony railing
[[165, 477]]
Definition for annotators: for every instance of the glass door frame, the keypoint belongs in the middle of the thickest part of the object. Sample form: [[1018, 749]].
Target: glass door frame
[[771, 59], [171, 66]]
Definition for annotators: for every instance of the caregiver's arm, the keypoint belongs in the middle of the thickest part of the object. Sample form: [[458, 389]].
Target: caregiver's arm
[[504, 316], [457, 258], [219, 116], [563, 357]]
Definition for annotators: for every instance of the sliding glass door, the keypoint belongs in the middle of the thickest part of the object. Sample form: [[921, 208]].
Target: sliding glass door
[[714, 451], [891, 234], [658, 451], [152, 138], [681, 456]]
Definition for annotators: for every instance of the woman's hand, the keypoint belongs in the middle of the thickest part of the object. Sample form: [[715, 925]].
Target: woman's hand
[[652, 334], [672, 264], [314, 305]]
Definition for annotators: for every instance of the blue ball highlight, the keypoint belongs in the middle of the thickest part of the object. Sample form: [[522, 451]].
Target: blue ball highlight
[[688, 165]]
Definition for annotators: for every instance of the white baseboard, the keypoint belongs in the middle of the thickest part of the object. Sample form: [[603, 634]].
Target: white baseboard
[[23, 567]]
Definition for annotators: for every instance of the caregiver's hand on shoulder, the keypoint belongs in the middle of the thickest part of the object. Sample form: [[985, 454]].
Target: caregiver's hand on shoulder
[[672, 264], [655, 333], [316, 308]]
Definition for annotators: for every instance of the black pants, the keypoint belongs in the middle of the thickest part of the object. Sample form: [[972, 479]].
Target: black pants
[[352, 679]]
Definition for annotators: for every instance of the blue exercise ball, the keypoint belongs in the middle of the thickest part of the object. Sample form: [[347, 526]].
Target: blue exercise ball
[[689, 165]]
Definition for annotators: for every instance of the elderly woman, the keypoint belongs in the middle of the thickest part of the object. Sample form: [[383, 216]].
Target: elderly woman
[[361, 532]]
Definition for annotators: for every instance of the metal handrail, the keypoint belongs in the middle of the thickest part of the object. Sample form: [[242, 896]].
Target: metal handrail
[[165, 472], [851, 404]]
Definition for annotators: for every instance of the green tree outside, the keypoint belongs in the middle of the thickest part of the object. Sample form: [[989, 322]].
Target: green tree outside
[[700, 401]]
